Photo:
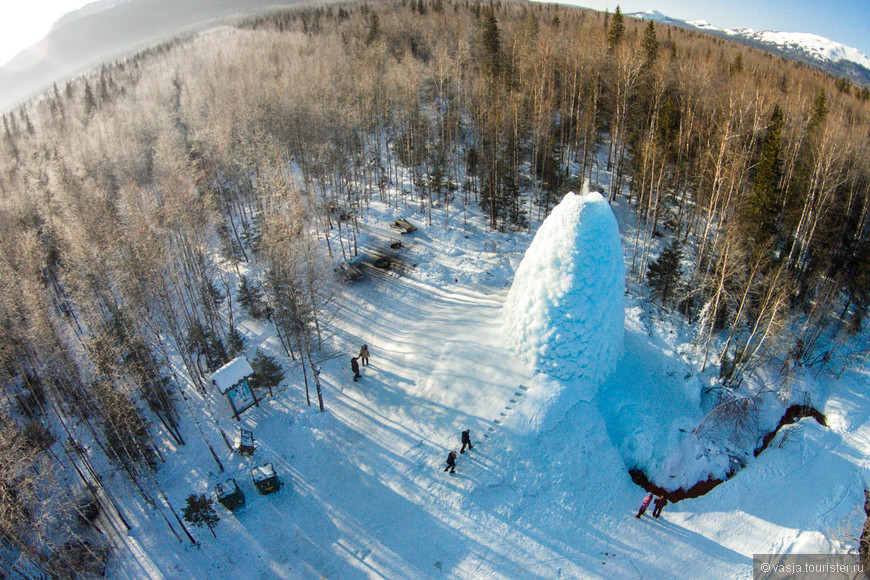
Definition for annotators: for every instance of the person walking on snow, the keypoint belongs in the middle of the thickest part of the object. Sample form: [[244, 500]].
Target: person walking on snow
[[466, 440], [451, 462], [354, 366], [660, 502], [646, 501], [364, 354]]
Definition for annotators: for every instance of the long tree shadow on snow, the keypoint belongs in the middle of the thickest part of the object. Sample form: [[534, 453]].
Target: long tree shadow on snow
[[672, 532], [416, 450], [376, 526]]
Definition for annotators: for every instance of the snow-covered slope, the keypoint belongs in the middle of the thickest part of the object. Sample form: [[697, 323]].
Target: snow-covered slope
[[824, 53], [86, 10], [813, 45], [365, 494]]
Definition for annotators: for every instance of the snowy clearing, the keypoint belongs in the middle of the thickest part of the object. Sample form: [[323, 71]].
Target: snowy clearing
[[365, 494]]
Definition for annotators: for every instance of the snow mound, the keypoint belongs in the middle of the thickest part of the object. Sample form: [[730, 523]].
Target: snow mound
[[565, 312]]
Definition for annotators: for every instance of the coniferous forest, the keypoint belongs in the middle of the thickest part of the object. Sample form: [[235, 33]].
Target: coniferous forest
[[128, 194]]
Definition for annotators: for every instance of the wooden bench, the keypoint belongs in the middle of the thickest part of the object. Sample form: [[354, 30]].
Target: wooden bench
[[403, 225], [246, 445], [351, 272]]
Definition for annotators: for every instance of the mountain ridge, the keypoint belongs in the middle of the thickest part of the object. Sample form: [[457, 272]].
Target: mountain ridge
[[817, 51], [86, 10], [108, 30]]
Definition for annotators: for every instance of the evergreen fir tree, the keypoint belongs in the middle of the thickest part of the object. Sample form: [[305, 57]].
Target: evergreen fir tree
[[663, 274], [617, 29], [737, 64], [267, 372], [819, 110], [89, 103], [200, 512], [197, 339], [212, 296], [28, 125], [650, 45], [669, 126], [491, 42], [374, 29], [216, 355], [251, 298], [235, 342], [763, 206], [802, 176], [201, 342], [57, 103]]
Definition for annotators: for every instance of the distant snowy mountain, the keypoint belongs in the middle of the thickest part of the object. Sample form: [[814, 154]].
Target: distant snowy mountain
[[86, 10], [658, 17], [106, 30], [811, 49]]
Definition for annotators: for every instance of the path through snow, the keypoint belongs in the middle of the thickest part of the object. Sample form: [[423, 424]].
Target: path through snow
[[365, 494]]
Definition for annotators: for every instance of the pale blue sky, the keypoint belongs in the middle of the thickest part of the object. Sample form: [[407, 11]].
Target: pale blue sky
[[845, 21], [25, 22]]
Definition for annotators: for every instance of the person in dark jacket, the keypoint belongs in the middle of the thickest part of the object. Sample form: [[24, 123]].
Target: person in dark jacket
[[466, 440], [660, 502], [451, 462], [354, 366], [364, 354], [646, 501]]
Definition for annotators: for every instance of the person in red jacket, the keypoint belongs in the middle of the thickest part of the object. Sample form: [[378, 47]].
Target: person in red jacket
[[646, 501]]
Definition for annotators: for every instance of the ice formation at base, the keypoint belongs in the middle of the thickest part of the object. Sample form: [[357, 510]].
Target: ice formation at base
[[565, 311]]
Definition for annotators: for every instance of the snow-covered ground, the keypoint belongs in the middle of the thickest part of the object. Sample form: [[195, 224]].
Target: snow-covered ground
[[365, 494]]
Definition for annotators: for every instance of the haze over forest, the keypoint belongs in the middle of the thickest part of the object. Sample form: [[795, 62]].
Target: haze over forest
[[86, 39]]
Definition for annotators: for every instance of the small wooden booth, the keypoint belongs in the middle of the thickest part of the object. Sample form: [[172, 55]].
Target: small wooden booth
[[232, 380], [229, 495], [265, 479]]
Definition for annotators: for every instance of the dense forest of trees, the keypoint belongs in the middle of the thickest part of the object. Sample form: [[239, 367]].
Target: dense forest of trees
[[133, 198]]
